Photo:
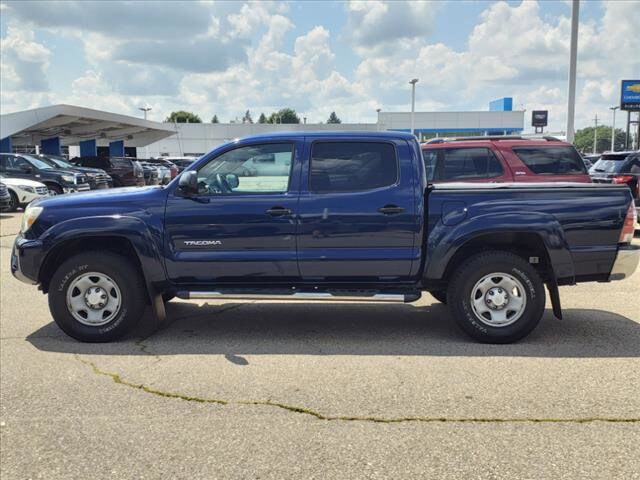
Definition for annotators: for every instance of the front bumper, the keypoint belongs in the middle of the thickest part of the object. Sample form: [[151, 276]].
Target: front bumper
[[81, 187], [26, 257], [626, 262]]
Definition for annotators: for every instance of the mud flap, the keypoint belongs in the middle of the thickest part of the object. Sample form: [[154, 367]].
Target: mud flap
[[554, 293], [158, 310]]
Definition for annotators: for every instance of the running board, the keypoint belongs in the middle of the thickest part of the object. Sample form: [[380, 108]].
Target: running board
[[305, 296]]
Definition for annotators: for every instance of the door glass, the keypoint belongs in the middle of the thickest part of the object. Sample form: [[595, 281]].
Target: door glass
[[551, 160], [468, 163], [250, 169], [352, 166]]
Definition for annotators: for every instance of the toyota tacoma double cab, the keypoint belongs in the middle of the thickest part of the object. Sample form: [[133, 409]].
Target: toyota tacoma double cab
[[323, 216]]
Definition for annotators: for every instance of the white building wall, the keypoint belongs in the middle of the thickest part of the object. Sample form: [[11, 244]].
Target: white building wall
[[199, 138]]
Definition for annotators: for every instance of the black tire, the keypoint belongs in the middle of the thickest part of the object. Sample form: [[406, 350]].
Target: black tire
[[480, 266], [440, 295], [13, 203], [126, 277], [54, 189]]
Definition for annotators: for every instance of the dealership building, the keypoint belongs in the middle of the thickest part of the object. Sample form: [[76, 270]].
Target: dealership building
[[85, 132]]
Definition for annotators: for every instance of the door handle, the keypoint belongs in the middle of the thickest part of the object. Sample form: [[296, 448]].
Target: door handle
[[279, 211], [391, 209]]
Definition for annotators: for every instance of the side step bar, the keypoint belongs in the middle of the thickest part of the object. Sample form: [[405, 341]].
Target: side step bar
[[305, 296]]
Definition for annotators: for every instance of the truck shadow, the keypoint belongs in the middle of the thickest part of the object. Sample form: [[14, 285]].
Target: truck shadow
[[237, 329]]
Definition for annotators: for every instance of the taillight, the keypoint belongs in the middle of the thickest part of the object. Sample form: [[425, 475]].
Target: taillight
[[622, 178], [626, 236]]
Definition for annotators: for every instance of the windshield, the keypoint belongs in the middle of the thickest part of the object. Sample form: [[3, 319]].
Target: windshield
[[38, 163], [55, 162]]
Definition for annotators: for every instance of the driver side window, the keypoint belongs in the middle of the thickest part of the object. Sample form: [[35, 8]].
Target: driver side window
[[245, 170]]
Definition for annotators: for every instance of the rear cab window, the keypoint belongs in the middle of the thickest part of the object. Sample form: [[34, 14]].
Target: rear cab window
[[352, 166], [551, 160]]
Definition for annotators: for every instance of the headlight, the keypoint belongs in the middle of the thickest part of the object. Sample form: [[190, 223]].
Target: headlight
[[26, 188], [29, 217], [69, 178]]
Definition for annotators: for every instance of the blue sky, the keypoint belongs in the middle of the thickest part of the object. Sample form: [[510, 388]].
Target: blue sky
[[352, 57]]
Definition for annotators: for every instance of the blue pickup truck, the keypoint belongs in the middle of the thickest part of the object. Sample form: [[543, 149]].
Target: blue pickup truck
[[322, 216]]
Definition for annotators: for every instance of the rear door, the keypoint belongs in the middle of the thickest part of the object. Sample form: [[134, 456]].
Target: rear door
[[357, 212]]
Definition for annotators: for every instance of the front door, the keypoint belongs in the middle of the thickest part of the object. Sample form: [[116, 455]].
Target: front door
[[240, 226]]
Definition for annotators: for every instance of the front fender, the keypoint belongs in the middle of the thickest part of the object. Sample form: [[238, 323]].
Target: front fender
[[444, 241], [144, 241]]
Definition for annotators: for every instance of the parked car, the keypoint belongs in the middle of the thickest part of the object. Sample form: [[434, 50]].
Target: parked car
[[151, 173], [352, 218], [173, 168], [503, 159], [620, 168], [57, 180], [124, 171], [5, 198], [589, 160], [180, 162], [164, 173], [98, 179], [23, 191]]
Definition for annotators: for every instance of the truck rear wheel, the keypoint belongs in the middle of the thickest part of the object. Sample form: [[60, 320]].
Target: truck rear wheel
[[496, 297], [97, 296]]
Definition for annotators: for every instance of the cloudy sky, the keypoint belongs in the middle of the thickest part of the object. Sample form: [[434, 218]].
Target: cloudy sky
[[353, 57]]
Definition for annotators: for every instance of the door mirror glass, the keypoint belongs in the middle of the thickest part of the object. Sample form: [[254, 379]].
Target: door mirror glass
[[188, 182]]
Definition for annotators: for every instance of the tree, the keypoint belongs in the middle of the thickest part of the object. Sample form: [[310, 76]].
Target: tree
[[584, 139], [247, 117], [284, 115], [262, 119], [333, 118], [183, 117], [215, 119]]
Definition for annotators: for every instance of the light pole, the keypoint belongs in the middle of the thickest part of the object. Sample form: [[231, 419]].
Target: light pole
[[413, 104], [573, 55], [613, 128], [378, 110], [595, 135], [145, 109]]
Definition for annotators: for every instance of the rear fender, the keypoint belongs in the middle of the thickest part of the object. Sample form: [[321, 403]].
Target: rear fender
[[444, 241]]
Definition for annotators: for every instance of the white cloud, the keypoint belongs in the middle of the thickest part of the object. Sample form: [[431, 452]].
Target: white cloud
[[24, 62], [225, 57]]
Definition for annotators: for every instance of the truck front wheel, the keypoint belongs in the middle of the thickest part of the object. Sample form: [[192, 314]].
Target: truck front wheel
[[496, 297], [96, 296]]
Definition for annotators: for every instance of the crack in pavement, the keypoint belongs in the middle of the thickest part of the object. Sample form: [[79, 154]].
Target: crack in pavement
[[118, 379]]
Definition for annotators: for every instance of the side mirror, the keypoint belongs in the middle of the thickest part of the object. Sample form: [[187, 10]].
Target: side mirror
[[27, 169], [188, 182]]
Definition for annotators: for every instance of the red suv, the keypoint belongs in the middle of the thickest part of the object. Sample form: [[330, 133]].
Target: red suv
[[503, 159]]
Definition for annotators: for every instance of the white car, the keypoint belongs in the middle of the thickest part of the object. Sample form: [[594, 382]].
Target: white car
[[23, 191]]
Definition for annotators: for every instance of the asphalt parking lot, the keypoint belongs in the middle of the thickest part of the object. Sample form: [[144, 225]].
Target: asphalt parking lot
[[276, 390]]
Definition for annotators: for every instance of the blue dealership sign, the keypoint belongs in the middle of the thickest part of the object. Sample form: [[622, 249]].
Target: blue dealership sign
[[630, 95]]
